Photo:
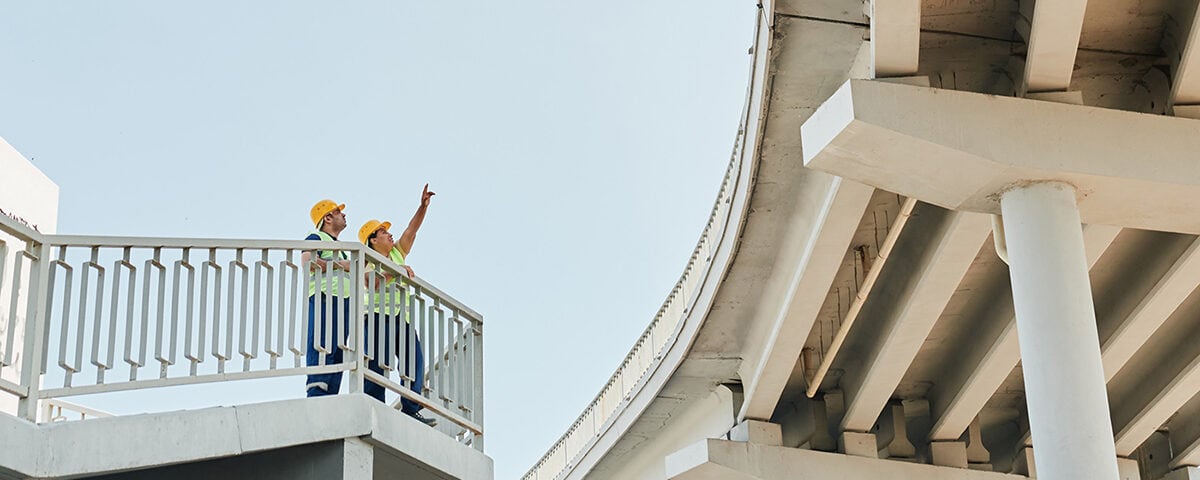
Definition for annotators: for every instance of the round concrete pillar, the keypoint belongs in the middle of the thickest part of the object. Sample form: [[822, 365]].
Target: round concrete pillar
[[1056, 328]]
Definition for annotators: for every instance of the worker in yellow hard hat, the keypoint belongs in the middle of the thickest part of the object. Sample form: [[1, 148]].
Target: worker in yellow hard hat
[[329, 297], [388, 301]]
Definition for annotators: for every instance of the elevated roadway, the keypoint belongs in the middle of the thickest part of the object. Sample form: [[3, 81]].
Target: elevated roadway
[[860, 300]]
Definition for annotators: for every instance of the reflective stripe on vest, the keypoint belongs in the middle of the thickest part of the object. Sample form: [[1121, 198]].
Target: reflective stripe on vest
[[333, 282], [398, 298]]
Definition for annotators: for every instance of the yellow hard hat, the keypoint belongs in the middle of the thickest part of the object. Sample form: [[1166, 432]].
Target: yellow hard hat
[[323, 208], [370, 227]]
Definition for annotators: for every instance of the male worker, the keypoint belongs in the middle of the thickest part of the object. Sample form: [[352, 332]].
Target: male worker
[[328, 298], [388, 305]]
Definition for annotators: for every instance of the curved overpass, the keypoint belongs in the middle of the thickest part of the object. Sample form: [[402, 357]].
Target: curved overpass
[[847, 295]]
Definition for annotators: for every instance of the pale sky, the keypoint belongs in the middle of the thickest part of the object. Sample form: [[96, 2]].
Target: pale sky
[[575, 148]]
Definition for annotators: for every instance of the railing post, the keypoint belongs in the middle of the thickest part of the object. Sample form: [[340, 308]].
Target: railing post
[[356, 321], [37, 320], [477, 377]]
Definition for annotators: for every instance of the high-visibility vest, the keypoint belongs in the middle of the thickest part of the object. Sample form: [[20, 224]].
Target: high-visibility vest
[[333, 282], [398, 299]]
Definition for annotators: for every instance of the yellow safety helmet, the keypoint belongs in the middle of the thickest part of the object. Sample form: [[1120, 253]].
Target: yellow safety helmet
[[323, 208], [370, 227]]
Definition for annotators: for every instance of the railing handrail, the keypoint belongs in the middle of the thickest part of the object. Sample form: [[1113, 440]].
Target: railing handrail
[[19, 230], [113, 241], [83, 411], [424, 285]]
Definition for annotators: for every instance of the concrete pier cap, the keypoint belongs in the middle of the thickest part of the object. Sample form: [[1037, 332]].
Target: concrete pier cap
[[962, 150]]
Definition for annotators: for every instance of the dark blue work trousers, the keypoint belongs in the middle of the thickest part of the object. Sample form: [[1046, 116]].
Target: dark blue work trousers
[[411, 361], [332, 313]]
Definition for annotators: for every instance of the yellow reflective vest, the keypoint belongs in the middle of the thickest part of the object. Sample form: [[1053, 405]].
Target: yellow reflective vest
[[335, 282], [391, 302]]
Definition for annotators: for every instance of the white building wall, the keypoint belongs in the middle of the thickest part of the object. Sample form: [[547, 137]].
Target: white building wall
[[28, 196]]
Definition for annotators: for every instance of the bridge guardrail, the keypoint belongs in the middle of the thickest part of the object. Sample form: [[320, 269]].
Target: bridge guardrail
[[648, 349]]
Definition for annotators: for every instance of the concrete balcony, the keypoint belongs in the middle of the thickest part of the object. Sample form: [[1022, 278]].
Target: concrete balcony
[[85, 315]]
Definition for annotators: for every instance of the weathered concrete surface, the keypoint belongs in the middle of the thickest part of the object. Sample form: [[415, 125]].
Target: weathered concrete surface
[[722, 459], [153, 441], [955, 150], [315, 461]]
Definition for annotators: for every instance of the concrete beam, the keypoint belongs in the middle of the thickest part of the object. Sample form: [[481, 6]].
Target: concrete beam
[[1053, 37], [895, 37], [932, 255], [722, 459], [1185, 83], [1184, 432], [1164, 386], [860, 298], [813, 273], [358, 460], [1167, 294], [969, 384], [1184, 385], [958, 150], [1185, 473]]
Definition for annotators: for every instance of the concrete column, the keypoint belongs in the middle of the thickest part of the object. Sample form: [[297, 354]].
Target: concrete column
[[1056, 329], [358, 460]]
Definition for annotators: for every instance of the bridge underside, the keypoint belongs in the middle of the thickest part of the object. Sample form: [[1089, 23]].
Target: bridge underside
[[866, 310]]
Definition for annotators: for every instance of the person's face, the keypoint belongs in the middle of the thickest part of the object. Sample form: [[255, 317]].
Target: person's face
[[383, 241], [336, 220]]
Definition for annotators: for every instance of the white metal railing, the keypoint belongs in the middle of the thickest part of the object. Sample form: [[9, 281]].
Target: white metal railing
[[59, 410], [102, 314], [649, 348]]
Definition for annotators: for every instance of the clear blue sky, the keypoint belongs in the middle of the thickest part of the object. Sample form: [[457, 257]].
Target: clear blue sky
[[575, 148]]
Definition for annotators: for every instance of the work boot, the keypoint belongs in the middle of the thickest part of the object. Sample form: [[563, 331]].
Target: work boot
[[428, 421]]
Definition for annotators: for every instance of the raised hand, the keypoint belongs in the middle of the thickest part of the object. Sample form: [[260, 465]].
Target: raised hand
[[426, 195]]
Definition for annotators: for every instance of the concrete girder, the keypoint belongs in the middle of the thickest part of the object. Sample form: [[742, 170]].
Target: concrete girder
[[1182, 386], [864, 293], [967, 387], [1163, 299], [895, 37], [839, 216], [1185, 84], [1053, 40], [935, 251], [1184, 430], [1160, 380], [959, 150]]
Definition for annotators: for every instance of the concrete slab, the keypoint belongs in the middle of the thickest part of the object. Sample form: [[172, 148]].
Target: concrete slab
[[152, 442], [261, 427], [130, 442], [405, 436]]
